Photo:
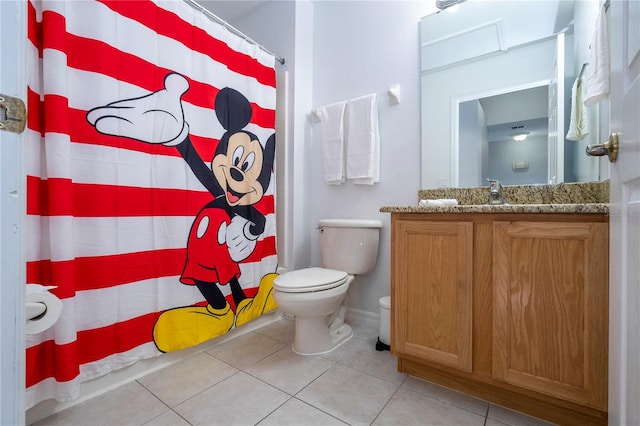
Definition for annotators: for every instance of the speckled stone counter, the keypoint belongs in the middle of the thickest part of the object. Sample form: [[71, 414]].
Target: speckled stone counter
[[589, 197]]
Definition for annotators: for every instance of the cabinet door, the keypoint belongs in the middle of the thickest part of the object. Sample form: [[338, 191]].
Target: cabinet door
[[432, 291], [550, 308]]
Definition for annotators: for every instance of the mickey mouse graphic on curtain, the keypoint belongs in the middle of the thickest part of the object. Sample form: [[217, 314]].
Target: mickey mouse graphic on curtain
[[226, 230]]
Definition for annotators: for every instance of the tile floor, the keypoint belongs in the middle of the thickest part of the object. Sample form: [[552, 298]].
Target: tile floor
[[256, 379]]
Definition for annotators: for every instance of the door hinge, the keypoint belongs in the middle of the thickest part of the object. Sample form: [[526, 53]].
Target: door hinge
[[13, 114]]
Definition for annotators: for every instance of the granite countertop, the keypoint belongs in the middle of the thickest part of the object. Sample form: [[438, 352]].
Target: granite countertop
[[589, 197], [504, 208]]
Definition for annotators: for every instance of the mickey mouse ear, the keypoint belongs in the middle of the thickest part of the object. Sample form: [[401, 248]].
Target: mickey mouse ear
[[232, 109]]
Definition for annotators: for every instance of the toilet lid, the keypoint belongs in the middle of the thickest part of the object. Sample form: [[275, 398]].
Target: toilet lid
[[310, 279]]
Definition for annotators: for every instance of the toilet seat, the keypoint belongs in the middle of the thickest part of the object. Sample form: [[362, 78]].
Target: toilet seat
[[309, 280]]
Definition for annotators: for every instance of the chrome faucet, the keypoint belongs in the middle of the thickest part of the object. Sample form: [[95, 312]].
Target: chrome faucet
[[495, 192]]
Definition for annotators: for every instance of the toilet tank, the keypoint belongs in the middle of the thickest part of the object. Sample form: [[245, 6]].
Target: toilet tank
[[349, 245]]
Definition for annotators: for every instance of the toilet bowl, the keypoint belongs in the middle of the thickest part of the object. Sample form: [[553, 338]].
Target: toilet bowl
[[313, 296], [317, 296]]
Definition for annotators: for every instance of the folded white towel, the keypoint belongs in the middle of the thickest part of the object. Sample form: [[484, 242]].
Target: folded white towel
[[363, 140], [332, 127], [440, 202], [597, 87], [579, 123]]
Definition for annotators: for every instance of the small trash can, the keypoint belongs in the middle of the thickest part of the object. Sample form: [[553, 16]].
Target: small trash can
[[384, 333]]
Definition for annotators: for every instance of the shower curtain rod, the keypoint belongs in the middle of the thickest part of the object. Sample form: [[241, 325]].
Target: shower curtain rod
[[231, 28]]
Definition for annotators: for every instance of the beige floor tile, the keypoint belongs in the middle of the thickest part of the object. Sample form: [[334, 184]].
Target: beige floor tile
[[122, 406], [282, 330], [289, 371], [170, 418], [447, 395], [238, 400], [246, 350], [295, 413], [412, 408], [181, 381], [349, 395], [364, 332], [361, 355], [513, 418], [354, 384]]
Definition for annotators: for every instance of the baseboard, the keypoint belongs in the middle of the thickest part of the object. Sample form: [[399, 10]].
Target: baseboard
[[362, 318], [100, 385]]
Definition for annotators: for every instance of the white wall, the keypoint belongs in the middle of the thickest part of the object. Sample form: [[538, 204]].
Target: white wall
[[522, 21], [334, 51], [363, 47], [502, 155]]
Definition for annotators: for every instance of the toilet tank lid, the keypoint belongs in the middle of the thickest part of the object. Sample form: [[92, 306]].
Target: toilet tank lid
[[350, 223]]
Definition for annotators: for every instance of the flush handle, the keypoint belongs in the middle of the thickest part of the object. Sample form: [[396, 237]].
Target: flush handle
[[609, 148]]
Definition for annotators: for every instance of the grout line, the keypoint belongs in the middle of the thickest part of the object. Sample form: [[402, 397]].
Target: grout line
[[275, 409], [164, 403], [321, 410], [446, 401], [387, 403]]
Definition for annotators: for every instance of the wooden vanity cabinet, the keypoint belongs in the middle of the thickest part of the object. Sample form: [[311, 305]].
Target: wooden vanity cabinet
[[512, 308]]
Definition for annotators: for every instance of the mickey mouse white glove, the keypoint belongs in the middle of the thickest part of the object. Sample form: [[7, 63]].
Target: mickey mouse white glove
[[156, 118], [240, 241]]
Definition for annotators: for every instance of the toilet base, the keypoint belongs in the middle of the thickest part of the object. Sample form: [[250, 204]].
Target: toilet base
[[314, 337]]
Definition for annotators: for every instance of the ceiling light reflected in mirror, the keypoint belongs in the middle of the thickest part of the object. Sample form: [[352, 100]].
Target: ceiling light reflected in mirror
[[519, 137]]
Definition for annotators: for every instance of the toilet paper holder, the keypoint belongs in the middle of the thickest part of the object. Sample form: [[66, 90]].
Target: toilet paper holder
[[35, 310], [42, 308]]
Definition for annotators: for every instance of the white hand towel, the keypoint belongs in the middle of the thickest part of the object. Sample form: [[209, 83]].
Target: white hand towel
[[332, 127], [440, 202], [579, 124], [598, 69], [363, 140]]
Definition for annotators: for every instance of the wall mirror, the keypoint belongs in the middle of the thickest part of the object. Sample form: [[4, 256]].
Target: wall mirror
[[496, 80]]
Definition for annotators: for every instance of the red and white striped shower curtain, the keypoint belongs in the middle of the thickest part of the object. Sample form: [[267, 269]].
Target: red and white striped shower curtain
[[137, 113]]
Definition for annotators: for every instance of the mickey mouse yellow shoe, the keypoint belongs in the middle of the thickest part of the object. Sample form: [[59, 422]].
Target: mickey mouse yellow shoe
[[263, 302], [187, 326]]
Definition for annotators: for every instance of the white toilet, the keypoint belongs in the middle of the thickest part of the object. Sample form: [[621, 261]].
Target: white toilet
[[316, 296]]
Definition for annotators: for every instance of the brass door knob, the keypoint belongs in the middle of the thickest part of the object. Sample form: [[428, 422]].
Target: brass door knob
[[609, 148]]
